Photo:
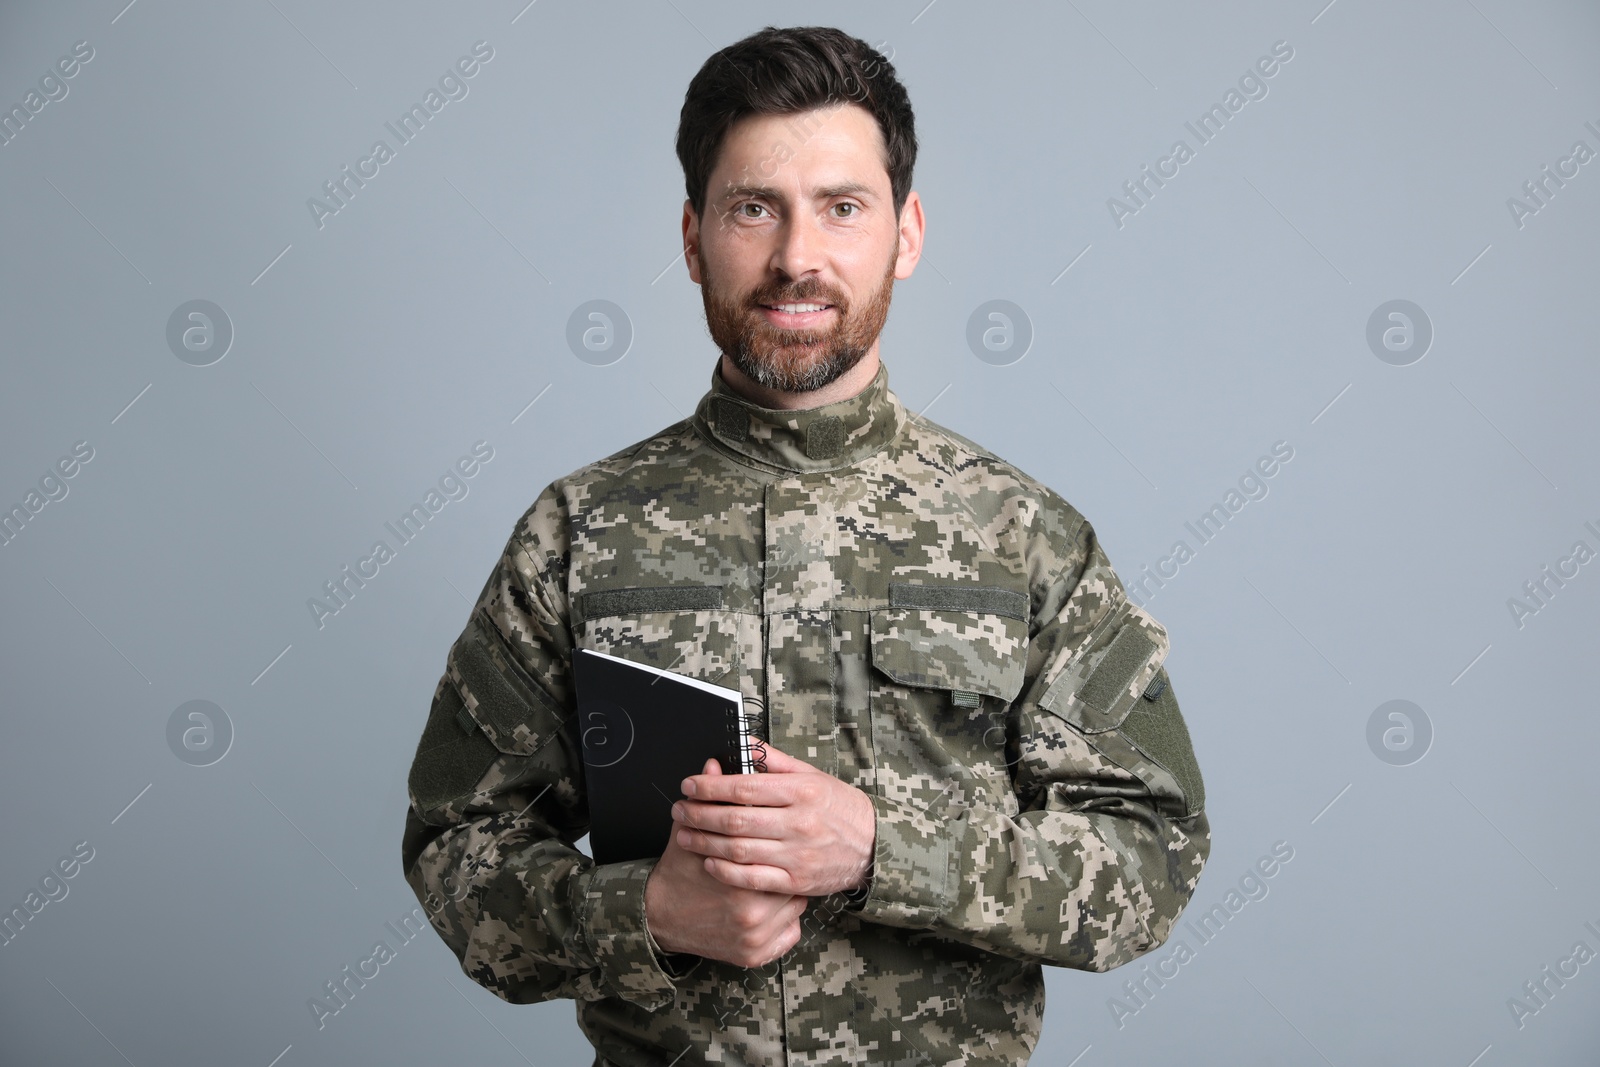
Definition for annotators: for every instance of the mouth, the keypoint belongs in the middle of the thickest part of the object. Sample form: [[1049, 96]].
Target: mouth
[[797, 315]]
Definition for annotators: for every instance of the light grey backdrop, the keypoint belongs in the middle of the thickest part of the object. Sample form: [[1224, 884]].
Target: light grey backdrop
[[1172, 346]]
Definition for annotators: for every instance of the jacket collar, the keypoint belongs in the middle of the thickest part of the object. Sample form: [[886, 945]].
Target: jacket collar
[[825, 438]]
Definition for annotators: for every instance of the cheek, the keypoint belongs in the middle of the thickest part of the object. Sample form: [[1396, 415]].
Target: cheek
[[869, 279], [735, 263]]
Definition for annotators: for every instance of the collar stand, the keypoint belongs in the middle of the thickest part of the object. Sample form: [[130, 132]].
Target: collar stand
[[823, 438]]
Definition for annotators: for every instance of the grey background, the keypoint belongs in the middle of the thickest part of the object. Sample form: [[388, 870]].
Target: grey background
[[1228, 314]]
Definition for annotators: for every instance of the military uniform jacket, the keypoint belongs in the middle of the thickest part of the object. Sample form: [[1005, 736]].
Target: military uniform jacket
[[906, 612]]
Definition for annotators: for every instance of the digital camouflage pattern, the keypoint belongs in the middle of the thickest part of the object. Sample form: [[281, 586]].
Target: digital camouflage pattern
[[907, 612]]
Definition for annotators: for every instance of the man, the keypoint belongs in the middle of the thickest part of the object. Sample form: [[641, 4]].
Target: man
[[975, 761]]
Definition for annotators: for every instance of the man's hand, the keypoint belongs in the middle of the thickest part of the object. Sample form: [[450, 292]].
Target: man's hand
[[687, 910], [803, 832]]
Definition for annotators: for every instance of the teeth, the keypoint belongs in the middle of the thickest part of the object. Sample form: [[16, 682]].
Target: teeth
[[795, 309]]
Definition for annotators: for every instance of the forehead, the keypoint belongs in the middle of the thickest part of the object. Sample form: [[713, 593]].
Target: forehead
[[838, 142]]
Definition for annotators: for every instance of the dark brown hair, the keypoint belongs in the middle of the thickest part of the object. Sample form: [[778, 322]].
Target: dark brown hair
[[783, 72]]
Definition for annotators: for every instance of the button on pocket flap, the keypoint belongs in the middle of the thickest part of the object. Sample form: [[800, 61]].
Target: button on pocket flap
[[967, 649], [497, 693], [1099, 686]]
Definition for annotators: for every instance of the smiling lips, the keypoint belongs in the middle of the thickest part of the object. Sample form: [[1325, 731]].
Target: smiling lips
[[796, 316]]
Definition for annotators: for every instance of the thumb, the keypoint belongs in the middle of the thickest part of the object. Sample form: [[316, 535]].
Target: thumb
[[711, 767]]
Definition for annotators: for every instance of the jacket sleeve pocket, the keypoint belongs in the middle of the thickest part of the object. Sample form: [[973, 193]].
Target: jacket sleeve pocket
[[486, 706], [1097, 687], [1117, 693]]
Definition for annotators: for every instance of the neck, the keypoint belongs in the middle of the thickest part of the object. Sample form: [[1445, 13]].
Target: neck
[[809, 440], [843, 387]]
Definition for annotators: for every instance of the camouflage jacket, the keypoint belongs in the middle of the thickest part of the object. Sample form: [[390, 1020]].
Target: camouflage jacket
[[910, 614]]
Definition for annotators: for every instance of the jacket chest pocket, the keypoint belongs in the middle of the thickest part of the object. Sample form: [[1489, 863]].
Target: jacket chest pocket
[[682, 629], [947, 663]]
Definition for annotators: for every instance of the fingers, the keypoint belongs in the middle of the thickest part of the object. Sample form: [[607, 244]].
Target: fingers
[[782, 763], [748, 788], [729, 819], [790, 929], [763, 790], [733, 849], [785, 910], [762, 936], [750, 876], [784, 942]]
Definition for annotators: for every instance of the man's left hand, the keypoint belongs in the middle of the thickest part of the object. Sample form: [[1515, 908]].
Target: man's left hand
[[795, 829]]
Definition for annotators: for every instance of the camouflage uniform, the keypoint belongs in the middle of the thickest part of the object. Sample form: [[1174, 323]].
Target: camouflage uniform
[[910, 614]]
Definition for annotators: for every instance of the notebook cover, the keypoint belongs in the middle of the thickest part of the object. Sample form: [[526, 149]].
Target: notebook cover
[[643, 731]]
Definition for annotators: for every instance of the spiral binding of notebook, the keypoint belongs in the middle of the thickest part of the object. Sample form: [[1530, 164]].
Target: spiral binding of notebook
[[748, 742]]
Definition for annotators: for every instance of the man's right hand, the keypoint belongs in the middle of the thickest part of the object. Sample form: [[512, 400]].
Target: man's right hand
[[688, 910]]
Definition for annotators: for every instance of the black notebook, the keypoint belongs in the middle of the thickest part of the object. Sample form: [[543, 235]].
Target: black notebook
[[643, 731]]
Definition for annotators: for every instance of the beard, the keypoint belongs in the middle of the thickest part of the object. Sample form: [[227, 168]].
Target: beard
[[794, 361]]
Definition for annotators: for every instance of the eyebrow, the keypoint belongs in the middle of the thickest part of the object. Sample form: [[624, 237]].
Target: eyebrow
[[767, 192]]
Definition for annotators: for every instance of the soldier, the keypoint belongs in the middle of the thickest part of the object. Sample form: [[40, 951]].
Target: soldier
[[976, 764]]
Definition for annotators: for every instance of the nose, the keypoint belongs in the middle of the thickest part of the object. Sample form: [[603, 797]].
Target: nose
[[799, 248]]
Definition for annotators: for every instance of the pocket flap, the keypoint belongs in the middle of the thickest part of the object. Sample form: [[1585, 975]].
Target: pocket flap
[[946, 648], [1098, 687], [696, 642]]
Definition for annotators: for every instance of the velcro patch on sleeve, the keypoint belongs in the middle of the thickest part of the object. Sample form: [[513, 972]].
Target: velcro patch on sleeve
[[448, 764], [1130, 650], [1157, 727]]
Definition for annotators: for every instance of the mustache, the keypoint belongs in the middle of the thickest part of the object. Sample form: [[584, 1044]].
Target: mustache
[[813, 294]]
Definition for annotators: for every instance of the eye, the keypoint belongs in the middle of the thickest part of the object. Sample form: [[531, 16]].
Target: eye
[[749, 203], [853, 209]]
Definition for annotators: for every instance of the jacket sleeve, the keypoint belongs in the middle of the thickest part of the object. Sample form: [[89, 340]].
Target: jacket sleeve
[[497, 802], [1111, 835]]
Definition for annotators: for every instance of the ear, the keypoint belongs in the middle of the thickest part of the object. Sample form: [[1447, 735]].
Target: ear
[[912, 228], [691, 241]]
